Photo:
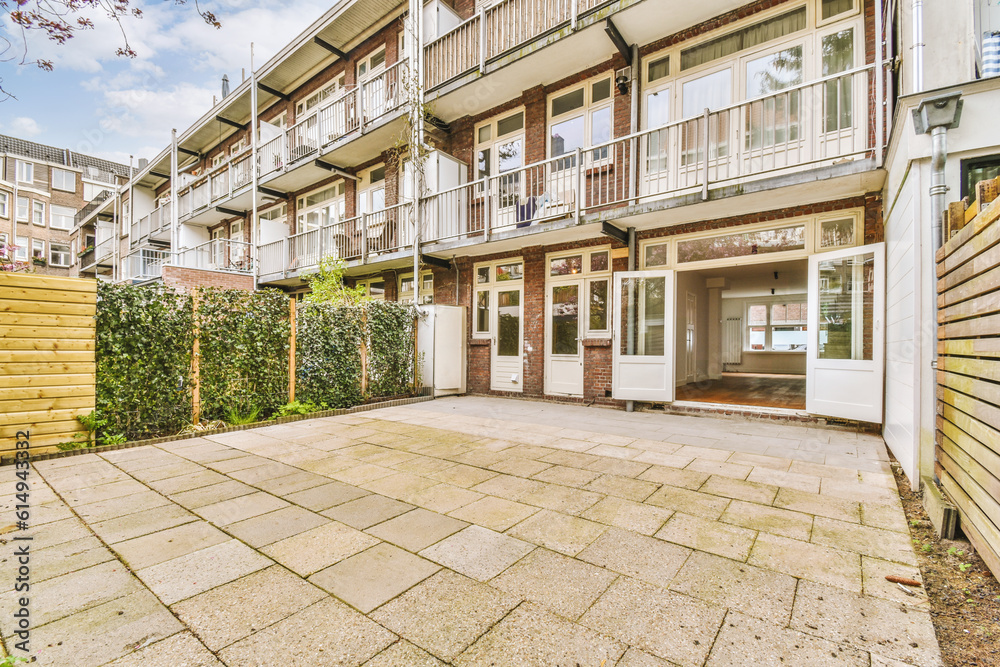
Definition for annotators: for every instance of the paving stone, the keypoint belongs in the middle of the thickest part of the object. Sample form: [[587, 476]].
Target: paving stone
[[404, 654], [367, 511], [752, 590], [496, 514], [446, 613], [886, 516], [570, 459], [187, 482], [563, 585], [240, 508], [562, 499], [125, 623], [712, 536], [687, 479], [645, 519], [142, 523], [874, 572], [891, 629], [326, 633], [638, 556], [567, 476], [789, 480], [813, 503], [668, 625], [747, 640], [417, 529], [69, 593], [739, 489], [95, 491], [531, 636], [508, 486], [241, 462], [477, 552], [176, 650], [875, 542], [185, 576], [368, 579], [235, 610], [312, 550], [54, 561], [164, 545], [424, 465], [58, 532], [112, 509], [175, 468], [637, 658], [807, 561], [297, 481], [623, 487], [443, 498], [566, 534], [521, 467], [269, 470], [769, 519], [760, 460], [325, 496], [690, 502], [720, 468], [400, 485], [621, 467], [859, 491]]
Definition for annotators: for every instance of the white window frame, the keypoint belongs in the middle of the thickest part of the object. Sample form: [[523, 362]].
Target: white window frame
[[818, 13], [368, 187], [335, 204], [38, 213], [63, 174], [587, 277], [38, 249], [4, 205], [21, 244], [24, 216], [367, 284], [53, 253], [3, 238], [769, 302], [279, 121], [53, 215], [426, 293], [314, 102], [496, 140], [587, 111], [25, 171], [238, 147], [218, 160], [371, 71], [490, 286]]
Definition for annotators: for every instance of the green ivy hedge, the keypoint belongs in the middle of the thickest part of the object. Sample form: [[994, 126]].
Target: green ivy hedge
[[143, 349], [328, 354], [390, 348]]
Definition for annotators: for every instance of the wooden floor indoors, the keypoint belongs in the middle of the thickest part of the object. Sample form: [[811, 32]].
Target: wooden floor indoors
[[771, 391]]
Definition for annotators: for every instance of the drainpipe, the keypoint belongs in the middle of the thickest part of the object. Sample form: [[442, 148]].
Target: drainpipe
[[917, 12], [935, 116], [254, 176], [630, 314], [175, 200]]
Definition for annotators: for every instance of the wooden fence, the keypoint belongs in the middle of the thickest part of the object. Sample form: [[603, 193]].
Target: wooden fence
[[968, 421], [47, 361]]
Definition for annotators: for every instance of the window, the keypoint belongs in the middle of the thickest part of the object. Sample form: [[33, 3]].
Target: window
[[38, 249], [62, 217], [238, 146], [372, 65], [742, 244], [426, 293], [837, 233], [281, 120], [319, 208], [832, 8], [59, 254], [777, 327], [658, 69], [776, 119], [63, 180], [838, 56], [38, 213], [218, 159], [23, 205], [655, 254], [304, 107], [277, 213], [4, 199], [489, 277], [593, 268], [25, 172], [578, 118], [374, 288], [709, 91], [973, 171], [21, 251], [372, 197], [745, 38], [500, 149]]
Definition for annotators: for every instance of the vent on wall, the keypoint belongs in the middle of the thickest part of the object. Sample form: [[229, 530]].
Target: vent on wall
[[732, 342]]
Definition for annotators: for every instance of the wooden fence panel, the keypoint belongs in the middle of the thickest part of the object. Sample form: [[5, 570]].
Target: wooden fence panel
[[968, 413], [47, 364]]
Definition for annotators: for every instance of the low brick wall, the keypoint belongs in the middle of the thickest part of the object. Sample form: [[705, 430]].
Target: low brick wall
[[184, 279]]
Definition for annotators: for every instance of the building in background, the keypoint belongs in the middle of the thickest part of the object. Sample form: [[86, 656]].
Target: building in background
[[42, 189]]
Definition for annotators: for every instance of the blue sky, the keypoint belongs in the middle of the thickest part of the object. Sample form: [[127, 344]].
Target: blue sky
[[98, 103]]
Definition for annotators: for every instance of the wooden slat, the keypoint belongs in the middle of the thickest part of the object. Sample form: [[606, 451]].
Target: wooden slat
[[56, 296], [969, 328], [969, 404], [75, 344], [53, 368], [40, 417], [979, 439], [970, 347], [962, 244], [85, 403], [15, 356], [46, 332], [70, 379], [979, 368], [9, 306], [983, 283], [48, 282], [45, 320], [21, 393], [976, 307], [978, 484], [45, 427]]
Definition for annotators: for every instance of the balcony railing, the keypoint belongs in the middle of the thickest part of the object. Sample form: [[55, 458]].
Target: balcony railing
[[818, 123], [494, 31], [95, 203], [219, 184], [145, 264], [216, 255], [364, 236], [104, 250], [154, 222]]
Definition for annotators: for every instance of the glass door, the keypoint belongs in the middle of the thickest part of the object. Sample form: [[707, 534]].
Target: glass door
[[644, 336], [845, 352], [564, 352], [508, 339]]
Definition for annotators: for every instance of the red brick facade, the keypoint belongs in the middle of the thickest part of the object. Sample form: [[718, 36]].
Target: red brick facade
[[184, 279]]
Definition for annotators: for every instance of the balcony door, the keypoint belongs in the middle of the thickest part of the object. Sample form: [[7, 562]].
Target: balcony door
[[373, 84], [845, 351], [219, 248], [643, 343], [563, 350], [499, 318]]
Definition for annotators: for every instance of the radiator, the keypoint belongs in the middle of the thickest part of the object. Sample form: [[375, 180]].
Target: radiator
[[732, 342]]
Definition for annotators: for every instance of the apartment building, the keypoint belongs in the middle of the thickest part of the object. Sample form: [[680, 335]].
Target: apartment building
[[42, 188], [677, 203]]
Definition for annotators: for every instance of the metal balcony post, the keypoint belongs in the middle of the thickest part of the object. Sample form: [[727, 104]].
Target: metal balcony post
[[706, 136], [361, 106], [581, 174], [287, 252], [482, 41], [487, 209], [364, 238], [574, 12]]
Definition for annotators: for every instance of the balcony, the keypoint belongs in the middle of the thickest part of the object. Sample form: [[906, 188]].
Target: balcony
[[228, 183], [95, 204], [346, 129], [144, 264], [216, 255], [154, 225]]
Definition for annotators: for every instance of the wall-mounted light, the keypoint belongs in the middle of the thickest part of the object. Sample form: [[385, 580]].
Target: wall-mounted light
[[622, 78]]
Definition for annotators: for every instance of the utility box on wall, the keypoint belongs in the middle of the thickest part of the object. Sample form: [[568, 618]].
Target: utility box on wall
[[441, 345]]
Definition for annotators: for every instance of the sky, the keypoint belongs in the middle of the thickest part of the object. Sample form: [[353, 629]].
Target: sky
[[98, 103]]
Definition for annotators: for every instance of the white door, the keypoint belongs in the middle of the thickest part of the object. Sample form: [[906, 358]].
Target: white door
[[507, 349], [563, 352], [237, 251], [845, 348], [218, 248], [643, 343], [373, 84], [690, 344]]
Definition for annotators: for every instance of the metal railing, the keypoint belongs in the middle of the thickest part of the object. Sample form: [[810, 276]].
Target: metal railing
[[216, 255], [104, 249], [270, 156], [219, 184], [154, 222], [145, 264], [95, 203], [821, 122]]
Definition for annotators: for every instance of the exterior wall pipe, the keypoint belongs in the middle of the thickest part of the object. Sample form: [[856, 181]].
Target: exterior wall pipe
[[255, 219], [630, 314], [938, 189], [879, 83], [174, 199], [917, 10]]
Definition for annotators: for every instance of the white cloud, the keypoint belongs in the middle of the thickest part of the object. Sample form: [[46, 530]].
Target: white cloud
[[23, 127]]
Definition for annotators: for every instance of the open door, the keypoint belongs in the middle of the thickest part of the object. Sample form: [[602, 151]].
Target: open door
[[644, 336], [846, 352]]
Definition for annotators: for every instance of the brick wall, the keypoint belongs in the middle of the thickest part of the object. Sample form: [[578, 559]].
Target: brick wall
[[185, 279]]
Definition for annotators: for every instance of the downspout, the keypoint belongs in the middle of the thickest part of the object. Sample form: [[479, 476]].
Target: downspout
[[633, 191], [630, 314], [254, 220], [938, 189], [917, 11], [416, 111], [175, 201], [880, 108]]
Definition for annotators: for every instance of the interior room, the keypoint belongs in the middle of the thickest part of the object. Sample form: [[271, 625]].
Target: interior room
[[741, 335]]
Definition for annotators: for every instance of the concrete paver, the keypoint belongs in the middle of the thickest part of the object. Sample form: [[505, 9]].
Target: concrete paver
[[476, 531]]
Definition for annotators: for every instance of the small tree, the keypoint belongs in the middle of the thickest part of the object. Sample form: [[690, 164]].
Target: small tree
[[328, 285]]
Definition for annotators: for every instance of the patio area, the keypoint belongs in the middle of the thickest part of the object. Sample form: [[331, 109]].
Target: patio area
[[475, 531]]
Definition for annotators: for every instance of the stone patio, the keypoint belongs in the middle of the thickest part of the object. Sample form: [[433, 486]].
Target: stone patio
[[475, 531]]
